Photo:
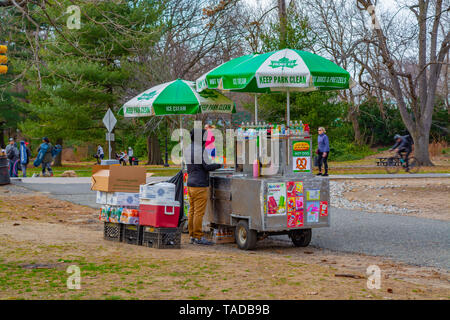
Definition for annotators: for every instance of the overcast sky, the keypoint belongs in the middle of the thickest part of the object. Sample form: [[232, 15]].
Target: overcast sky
[[385, 4]]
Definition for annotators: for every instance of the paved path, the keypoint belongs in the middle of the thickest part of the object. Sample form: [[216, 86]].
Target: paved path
[[390, 176], [418, 241], [60, 180]]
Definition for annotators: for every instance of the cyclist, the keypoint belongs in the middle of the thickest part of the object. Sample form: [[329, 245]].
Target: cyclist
[[403, 147]]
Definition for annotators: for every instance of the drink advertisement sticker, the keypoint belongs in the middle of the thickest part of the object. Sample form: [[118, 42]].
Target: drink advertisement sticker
[[312, 211], [301, 156], [313, 195], [276, 198], [323, 208]]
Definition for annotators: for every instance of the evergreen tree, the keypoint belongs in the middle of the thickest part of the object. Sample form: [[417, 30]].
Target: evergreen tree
[[85, 71]]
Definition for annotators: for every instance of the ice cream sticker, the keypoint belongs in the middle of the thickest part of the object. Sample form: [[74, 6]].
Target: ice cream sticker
[[295, 219], [312, 211], [276, 198], [299, 221], [294, 188], [323, 208], [291, 219], [299, 188], [294, 191]]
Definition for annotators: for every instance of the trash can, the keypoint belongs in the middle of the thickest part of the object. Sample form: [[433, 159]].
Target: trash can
[[4, 170]]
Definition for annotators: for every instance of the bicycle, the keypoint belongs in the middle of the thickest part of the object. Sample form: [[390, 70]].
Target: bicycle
[[393, 164]]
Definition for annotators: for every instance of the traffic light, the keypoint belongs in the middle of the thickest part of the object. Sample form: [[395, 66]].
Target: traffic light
[[3, 59]]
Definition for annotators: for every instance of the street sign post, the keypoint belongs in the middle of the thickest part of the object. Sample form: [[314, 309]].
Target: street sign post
[[110, 122]]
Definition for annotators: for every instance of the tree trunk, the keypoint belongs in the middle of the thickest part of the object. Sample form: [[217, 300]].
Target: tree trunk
[[153, 150], [353, 115], [2, 139], [58, 159], [421, 143], [283, 20]]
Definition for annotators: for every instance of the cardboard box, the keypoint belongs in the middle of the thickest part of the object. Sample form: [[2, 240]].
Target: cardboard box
[[102, 197], [161, 191], [115, 178]]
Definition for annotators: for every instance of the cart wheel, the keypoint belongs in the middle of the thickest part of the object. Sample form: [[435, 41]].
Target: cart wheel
[[245, 237], [301, 237]]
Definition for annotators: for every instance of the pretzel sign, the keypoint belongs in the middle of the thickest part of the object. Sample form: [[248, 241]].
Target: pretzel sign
[[301, 163]]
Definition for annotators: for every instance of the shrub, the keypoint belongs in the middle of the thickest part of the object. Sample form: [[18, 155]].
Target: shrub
[[347, 151]]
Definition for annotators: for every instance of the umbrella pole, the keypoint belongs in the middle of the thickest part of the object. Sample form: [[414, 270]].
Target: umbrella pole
[[182, 147], [256, 108], [288, 113]]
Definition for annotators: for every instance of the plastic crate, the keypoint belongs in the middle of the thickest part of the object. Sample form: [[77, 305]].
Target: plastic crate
[[161, 238], [113, 231], [132, 234]]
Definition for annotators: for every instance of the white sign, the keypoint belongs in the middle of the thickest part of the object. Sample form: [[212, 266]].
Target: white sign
[[109, 136], [109, 120], [301, 164]]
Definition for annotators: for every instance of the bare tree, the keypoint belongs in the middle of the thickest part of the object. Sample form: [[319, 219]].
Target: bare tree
[[413, 86], [336, 26]]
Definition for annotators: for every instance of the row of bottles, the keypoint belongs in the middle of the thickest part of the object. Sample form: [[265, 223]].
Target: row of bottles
[[223, 233], [252, 129]]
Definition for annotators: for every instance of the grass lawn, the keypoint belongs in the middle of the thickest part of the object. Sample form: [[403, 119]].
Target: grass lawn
[[85, 170]]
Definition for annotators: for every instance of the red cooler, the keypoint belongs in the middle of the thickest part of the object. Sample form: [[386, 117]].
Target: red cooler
[[159, 214]]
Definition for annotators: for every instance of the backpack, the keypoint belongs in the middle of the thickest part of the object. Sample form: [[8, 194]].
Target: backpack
[[11, 154], [56, 150], [409, 139]]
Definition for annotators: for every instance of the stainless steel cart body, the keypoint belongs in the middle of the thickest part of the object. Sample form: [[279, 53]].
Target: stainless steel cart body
[[234, 197]]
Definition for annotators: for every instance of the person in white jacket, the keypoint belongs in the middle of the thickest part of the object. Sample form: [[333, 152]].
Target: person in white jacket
[[130, 155], [100, 154]]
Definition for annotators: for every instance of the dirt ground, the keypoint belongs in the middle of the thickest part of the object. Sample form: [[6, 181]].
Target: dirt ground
[[425, 198], [40, 237]]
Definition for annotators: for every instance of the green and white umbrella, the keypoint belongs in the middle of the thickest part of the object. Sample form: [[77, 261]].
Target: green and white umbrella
[[177, 97], [282, 70]]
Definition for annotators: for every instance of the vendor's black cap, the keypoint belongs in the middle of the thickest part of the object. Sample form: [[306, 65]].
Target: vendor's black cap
[[197, 131]]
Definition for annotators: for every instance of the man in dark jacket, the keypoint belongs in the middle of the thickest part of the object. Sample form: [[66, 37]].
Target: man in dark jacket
[[13, 156], [198, 183], [403, 147]]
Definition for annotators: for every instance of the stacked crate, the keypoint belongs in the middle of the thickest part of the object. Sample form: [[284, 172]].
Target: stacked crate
[[118, 211], [159, 213]]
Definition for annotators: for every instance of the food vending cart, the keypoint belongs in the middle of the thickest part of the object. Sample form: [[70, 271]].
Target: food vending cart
[[286, 198]]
